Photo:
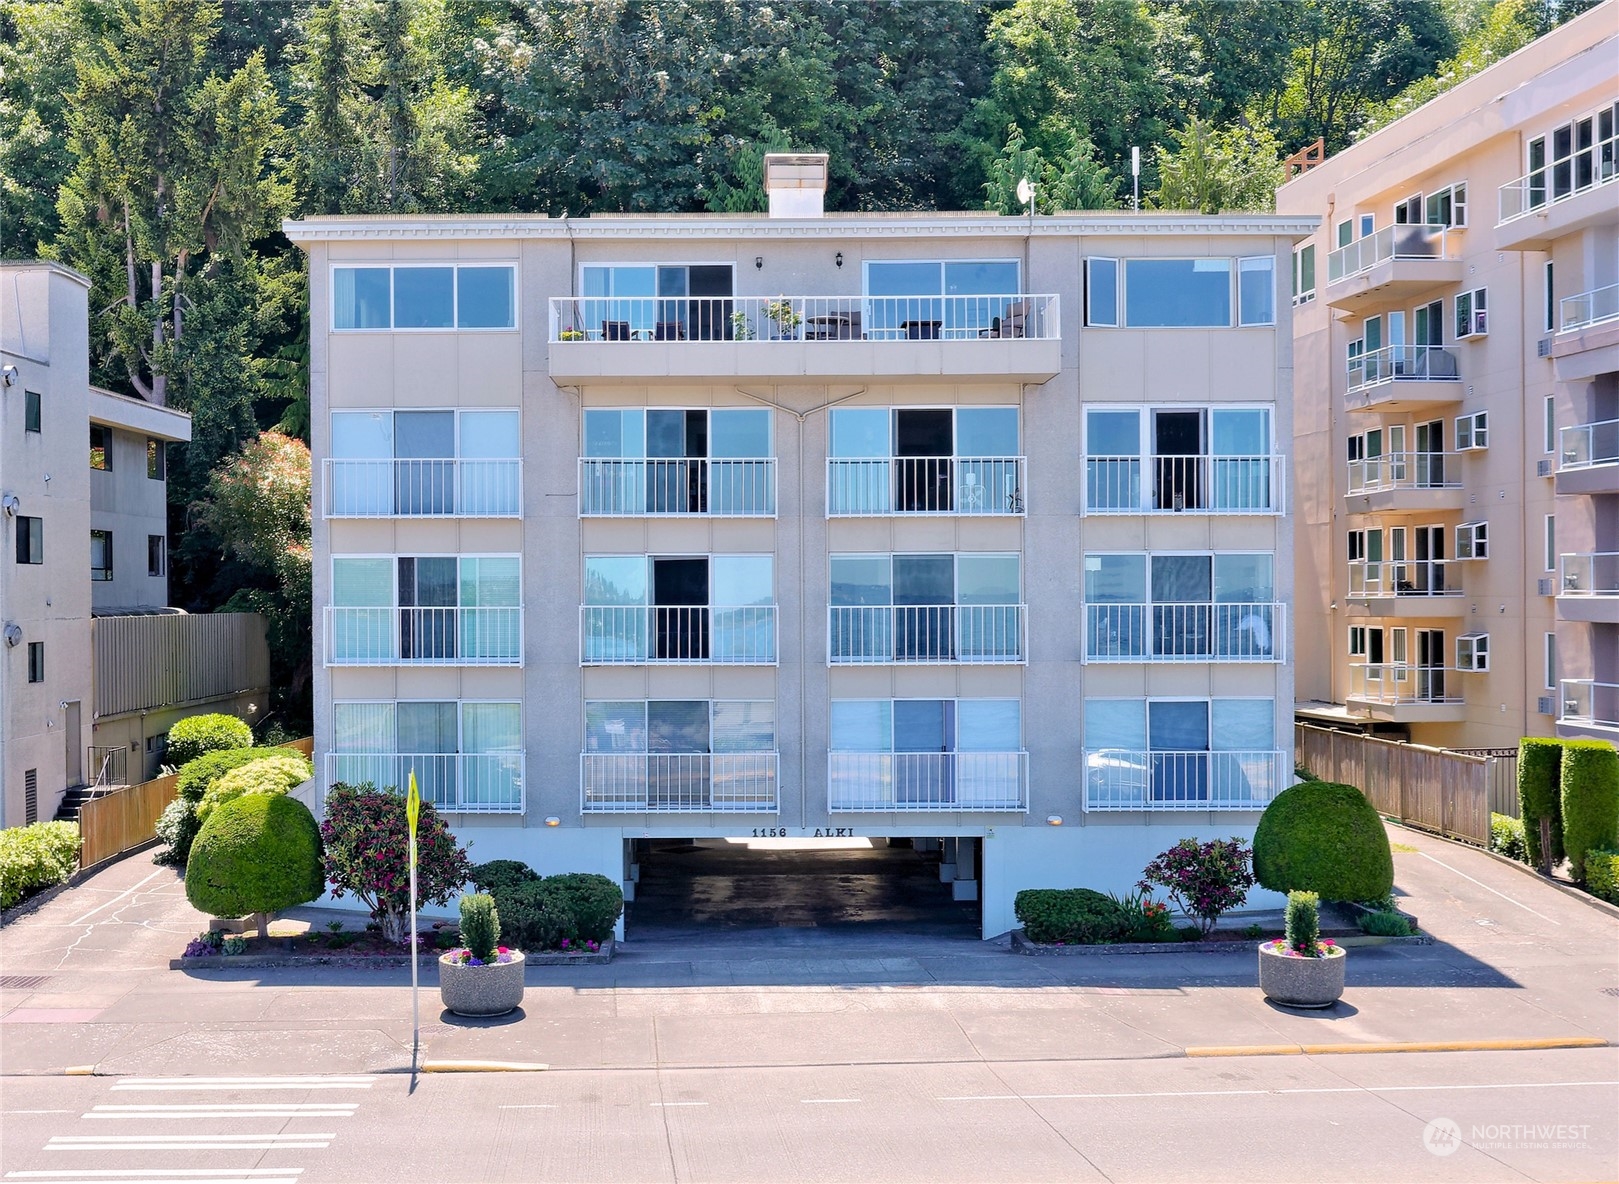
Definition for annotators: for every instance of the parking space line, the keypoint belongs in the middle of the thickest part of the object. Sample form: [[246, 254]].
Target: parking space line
[[1487, 888]]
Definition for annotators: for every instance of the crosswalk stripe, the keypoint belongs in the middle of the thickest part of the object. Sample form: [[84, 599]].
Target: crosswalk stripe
[[144, 1173], [257, 1112], [236, 1110], [189, 1138], [186, 1084], [184, 1145]]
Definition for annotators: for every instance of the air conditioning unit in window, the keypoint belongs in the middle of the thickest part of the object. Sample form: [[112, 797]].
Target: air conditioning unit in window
[[1543, 348], [1543, 468], [1546, 705], [1547, 586]]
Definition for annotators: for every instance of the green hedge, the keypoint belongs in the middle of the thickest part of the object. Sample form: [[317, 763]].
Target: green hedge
[[538, 914], [1539, 759], [197, 774], [197, 734], [271, 775], [1506, 837], [257, 854], [35, 857], [502, 875], [1070, 916], [1326, 838], [1590, 800], [1602, 874]]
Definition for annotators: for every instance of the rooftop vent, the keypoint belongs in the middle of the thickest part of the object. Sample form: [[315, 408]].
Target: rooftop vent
[[796, 183]]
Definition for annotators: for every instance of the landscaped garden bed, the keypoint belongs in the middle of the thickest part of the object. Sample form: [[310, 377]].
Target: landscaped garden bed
[[348, 948]]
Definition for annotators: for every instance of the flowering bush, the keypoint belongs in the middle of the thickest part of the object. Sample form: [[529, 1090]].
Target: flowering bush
[[368, 853], [1203, 879], [205, 944], [463, 957], [1325, 948], [575, 946]]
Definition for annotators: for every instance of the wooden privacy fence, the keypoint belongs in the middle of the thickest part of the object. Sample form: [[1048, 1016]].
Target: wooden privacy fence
[[126, 818], [1444, 791]]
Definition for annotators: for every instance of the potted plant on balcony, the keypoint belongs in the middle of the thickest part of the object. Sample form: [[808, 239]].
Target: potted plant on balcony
[[482, 977], [1302, 969], [572, 334], [740, 329], [786, 318]]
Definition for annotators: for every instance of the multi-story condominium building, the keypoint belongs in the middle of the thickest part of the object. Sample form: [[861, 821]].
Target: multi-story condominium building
[[93, 668], [958, 527], [1456, 324]]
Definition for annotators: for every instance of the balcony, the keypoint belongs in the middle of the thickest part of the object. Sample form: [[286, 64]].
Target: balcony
[[1418, 588], [1589, 708], [455, 782], [1589, 309], [612, 487], [1545, 205], [1403, 378], [1588, 458], [390, 487], [1203, 485], [895, 782], [1006, 338], [1587, 341], [1386, 268], [381, 636], [677, 635], [1588, 587], [884, 634], [678, 782], [1405, 481], [960, 486], [1222, 632], [1120, 779], [1402, 693]]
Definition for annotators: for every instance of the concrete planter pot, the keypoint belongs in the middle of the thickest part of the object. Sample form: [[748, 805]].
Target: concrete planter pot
[[1301, 982], [481, 990]]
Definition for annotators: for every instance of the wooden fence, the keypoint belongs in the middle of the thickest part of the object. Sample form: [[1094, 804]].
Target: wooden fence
[[126, 818], [1448, 792]]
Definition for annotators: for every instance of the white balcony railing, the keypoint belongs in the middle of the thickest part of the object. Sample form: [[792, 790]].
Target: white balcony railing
[[1122, 779], [657, 635], [1405, 470], [959, 485], [1221, 632], [1596, 307], [1408, 241], [881, 782], [1406, 577], [1590, 167], [1401, 363], [461, 782], [678, 782], [1185, 484], [633, 487], [763, 319], [424, 636], [1402, 683], [423, 488], [1589, 703], [1593, 573], [931, 633], [1586, 445]]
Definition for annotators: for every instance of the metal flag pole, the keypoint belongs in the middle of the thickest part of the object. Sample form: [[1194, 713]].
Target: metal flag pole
[[1135, 179], [413, 809]]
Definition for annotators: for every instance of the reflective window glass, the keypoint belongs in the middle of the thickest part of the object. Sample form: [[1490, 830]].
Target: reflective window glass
[[489, 434], [924, 725], [1180, 579], [615, 433], [679, 725], [1175, 726], [1177, 293], [1243, 725], [1116, 723], [743, 726], [360, 298], [362, 434], [862, 725], [739, 433], [860, 431], [986, 431], [1116, 579], [1240, 431], [1243, 579], [422, 297], [903, 279], [986, 579], [861, 579], [615, 579], [743, 580], [1113, 433], [1256, 291], [981, 278], [486, 297], [424, 434], [368, 581], [989, 725], [615, 726], [1101, 291], [491, 727]]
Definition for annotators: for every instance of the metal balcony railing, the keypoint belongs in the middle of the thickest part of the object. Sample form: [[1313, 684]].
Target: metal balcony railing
[[1592, 573], [1589, 703], [1212, 632], [383, 636], [1405, 470], [1405, 577], [1596, 307], [1401, 363], [1124, 779], [880, 782], [106, 764], [1407, 241], [1586, 445], [1590, 167], [930, 633], [673, 783], [633, 487], [959, 485], [653, 635], [1185, 484], [1390, 683], [763, 319], [462, 782], [422, 488]]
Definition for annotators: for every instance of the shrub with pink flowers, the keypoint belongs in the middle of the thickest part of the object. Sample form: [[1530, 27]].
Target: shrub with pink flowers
[[1203, 880]]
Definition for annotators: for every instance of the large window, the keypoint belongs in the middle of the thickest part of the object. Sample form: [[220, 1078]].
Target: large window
[[101, 555], [1164, 752], [677, 461], [680, 755], [664, 302], [703, 608], [467, 756], [441, 296], [1575, 156], [1304, 274], [1181, 607], [939, 298], [910, 753], [425, 464], [30, 539], [1209, 459], [1180, 293], [926, 608], [925, 460], [434, 609]]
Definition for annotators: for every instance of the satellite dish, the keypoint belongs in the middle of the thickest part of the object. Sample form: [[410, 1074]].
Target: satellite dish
[[1025, 191]]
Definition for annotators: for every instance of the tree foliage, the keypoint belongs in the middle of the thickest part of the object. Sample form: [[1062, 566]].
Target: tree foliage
[[1212, 170]]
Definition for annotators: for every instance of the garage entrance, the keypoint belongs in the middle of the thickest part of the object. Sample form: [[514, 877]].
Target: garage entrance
[[875, 884]]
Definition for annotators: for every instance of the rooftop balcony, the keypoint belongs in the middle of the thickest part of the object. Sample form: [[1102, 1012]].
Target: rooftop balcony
[[1180, 633], [961, 486], [399, 487], [1386, 268], [1413, 588], [455, 782], [1007, 338], [1405, 481], [677, 635], [382, 636], [1588, 587], [1546, 204], [1121, 779], [914, 782], [935, 634], [1588, 458], [1407, 694], [1403, 378], [1589, 708], [1197, 485], [678, 782]]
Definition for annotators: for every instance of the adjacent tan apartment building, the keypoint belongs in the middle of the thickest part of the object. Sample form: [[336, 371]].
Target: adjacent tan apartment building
[[952, 527], [1456, 330]]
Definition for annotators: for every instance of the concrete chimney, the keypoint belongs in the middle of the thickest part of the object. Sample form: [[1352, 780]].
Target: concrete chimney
[[796, 183]]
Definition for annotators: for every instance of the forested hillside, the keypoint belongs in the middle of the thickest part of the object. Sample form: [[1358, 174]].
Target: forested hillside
[[155, 145]]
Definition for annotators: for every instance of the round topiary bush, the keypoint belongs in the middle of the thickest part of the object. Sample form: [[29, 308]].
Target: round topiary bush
[[197, 734], [1325, 838], [197, 774], [271, 775], [257, 854]]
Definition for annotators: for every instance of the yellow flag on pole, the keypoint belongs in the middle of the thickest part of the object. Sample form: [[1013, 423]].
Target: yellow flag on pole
[[413, 811]]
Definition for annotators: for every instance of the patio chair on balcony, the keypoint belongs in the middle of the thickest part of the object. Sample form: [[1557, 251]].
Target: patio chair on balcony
[[669, 331], [1435, 363], [615, 330], [1009, 325]]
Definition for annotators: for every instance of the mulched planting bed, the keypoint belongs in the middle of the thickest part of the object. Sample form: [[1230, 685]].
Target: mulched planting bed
[[360, 949]]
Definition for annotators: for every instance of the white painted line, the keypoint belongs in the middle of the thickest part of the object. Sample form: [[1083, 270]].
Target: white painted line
[[679, 1103], [39, 1112], [825, 1101], [263, 1112], [114, 1173], [138, 1082], [188, 1108], [113, 901], [1239, 1093], [181, 1146], [1487, 888]]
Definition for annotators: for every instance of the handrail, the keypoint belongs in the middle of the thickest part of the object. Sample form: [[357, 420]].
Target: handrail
[[1401, 241], [903, 782], [1582, 311], [664, 635], [681, 782], [455, 782], [1397, 683], [1404, 577], [407, 636], [1405, 470], [1140, 779], [656, 487], [1585, 445], [1401, 363], [1556, 181], [1185, 484], [881, 634], [1588, 573], [416, 487], [953, 485], [1589, 702], [1192, 632]]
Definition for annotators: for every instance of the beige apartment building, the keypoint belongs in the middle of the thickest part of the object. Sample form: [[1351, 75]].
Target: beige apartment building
[[1456, 326], [952, 527]]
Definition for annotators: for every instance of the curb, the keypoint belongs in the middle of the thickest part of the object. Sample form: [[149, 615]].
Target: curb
[[1570, 890], [1313, 1050], [377, 961]]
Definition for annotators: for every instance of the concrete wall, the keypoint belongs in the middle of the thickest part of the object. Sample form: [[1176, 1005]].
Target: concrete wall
[[133, 506]]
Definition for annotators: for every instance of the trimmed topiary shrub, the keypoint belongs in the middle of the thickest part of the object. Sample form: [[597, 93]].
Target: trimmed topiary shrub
[[1070, 916], [1539, 794], [542, 914], [532, 917], [271, 775], [197, 734], [480, 925], [36, 856], [1506, 837], [196, 775], [1326, 838], [1602, 875], [1302, 922], [1590, 800], [502, 875], [1385, 925], [592, 903], [258, 854]]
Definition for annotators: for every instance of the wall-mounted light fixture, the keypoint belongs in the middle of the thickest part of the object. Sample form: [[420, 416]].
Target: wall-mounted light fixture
[[759, 262], [1053, 819], [553, 820], [838, 259]]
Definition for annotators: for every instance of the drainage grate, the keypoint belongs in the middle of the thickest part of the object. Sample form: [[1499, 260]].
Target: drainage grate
[[23, 982]]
